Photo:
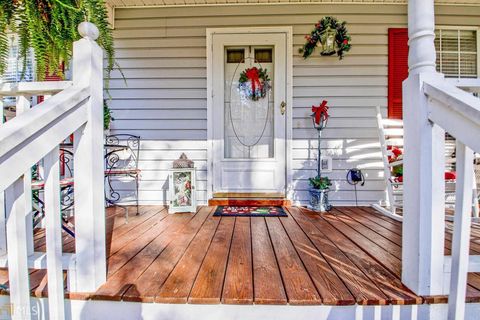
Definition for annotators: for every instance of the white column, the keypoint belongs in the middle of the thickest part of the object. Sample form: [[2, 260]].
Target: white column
[[424, 188], [88, 166]]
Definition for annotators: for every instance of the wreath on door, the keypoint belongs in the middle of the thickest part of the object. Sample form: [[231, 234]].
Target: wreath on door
[[330, 35], [254, 83]]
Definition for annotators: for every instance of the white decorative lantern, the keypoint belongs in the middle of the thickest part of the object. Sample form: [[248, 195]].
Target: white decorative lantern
[[182, 186]]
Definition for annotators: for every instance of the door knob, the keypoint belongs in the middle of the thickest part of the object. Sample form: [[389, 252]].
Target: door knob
[[283, 107]]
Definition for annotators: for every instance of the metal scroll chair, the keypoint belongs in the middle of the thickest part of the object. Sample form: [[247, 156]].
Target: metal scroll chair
[[66, 192], [121, 161]]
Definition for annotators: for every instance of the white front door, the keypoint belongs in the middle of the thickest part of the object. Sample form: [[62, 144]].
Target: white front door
[[249, 137]]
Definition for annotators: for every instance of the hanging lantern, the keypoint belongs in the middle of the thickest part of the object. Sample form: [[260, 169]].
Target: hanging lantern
[[327, 39]]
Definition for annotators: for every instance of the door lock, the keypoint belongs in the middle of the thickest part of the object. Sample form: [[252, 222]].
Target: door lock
[[283, 107]]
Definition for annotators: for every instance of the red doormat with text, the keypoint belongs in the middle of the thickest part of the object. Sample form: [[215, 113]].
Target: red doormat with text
[[249, 211]]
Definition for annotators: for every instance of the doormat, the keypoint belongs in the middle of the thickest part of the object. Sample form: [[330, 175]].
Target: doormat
[[249, 211]]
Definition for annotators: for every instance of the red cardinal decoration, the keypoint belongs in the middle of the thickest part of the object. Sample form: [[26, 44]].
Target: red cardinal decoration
[[320, 113]]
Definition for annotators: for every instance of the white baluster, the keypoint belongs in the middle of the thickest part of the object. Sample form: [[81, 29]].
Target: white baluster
[[23, 104], [54, 235], [461, 232], [17, 251], [88, 166], [3, 230]]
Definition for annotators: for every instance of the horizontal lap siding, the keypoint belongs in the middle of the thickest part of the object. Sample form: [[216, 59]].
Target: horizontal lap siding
[[162, 52]]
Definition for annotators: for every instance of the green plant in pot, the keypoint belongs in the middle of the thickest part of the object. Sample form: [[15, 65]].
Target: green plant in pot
[[319, 193], [320, 183], [49, 27]]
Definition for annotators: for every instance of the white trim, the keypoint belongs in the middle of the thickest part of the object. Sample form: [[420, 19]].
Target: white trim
[[288, 31], [102, 309], [347, 3]]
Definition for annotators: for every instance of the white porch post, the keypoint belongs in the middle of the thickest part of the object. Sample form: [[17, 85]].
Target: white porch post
[[424, 189], [88, 166]]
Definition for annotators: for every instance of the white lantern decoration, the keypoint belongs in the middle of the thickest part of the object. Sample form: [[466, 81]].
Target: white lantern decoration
[[182, 186]]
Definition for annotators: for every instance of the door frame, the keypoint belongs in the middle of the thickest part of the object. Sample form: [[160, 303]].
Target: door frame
[[288, 31]]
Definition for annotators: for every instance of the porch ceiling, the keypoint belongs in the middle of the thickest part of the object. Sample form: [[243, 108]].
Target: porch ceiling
[[161, 3]]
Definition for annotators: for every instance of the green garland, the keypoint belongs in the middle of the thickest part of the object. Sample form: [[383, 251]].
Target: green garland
[[50, 28], [342, 38]]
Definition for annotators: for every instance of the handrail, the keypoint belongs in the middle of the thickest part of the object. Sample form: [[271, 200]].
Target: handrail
[[455, 110], [26, 139], [468, 84], [17, 130], [33, 88]]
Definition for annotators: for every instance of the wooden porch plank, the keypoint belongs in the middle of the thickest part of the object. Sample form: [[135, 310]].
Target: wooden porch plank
[[116, 243], [121, 280], [395, 226], [384, 278], [386, 233], [208, 285], [383, 256], [392, 248], [147, 286], [238, 285], [128, 252], [332, 290], [298, 285], [115, 225], [362, 288], [121, 228], [179, 283], [378, 217], [267, 281], [197, 271]]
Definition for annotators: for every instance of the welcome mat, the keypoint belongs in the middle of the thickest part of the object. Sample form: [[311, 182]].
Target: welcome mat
[[250, 211]]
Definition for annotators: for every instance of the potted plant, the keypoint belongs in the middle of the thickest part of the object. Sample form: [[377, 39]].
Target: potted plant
[[50, 29], [319, 193]]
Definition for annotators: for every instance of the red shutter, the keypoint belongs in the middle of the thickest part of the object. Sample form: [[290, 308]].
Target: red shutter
[[51, 77], [397, 69]]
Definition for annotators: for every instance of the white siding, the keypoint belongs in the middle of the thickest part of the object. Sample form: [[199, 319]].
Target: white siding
[[162, 52]]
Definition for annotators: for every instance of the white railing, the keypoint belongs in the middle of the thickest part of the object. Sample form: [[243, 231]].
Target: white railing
[[34, 135], [431, 106], [458, 113]]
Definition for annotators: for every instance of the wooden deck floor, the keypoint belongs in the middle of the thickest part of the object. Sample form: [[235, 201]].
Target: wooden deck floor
[[351, 255]]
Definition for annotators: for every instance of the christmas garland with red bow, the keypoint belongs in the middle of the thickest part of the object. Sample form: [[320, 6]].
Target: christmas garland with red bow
[[342, 38], [254, 83]]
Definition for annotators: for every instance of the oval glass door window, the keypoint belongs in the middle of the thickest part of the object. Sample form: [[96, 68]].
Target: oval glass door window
[[248, 123]]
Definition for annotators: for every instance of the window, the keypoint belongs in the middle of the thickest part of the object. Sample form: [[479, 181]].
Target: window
[[13, 73], [457, 52], [15, 64]]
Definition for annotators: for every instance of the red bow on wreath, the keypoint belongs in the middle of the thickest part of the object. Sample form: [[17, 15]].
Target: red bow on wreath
[[254, 76], [320, 111]]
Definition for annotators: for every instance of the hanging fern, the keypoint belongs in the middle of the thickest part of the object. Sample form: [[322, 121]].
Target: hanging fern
[[49, 27]]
